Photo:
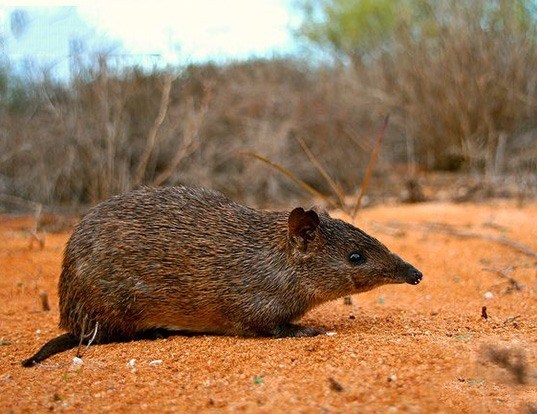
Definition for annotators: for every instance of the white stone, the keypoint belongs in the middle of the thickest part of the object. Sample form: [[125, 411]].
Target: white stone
[[77, 361]]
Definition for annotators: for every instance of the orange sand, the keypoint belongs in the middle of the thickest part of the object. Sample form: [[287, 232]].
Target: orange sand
[[396, 349]]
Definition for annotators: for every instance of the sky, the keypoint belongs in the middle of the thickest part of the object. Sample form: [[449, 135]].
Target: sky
[[197, 29], [178, 31]]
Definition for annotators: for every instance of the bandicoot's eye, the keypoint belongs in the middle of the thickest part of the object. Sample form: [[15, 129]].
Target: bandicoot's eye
[[356, 258]]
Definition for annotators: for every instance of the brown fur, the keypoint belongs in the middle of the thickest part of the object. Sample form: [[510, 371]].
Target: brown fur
[[190, 259]]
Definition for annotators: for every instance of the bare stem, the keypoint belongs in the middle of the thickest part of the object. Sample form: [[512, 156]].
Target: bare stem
[[335, 188], [372, 161], [152, 136], [292, 177]]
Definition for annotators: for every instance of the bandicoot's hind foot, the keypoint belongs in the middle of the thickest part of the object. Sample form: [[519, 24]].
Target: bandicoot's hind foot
[[290, 330], [54, 346]]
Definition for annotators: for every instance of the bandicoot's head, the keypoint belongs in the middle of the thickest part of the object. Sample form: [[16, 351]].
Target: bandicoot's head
[[344, 255]]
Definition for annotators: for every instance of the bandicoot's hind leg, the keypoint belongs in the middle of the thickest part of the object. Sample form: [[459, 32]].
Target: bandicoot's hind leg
[[54, 346]]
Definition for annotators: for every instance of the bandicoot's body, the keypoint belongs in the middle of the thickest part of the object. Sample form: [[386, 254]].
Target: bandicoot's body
[[189, 259]]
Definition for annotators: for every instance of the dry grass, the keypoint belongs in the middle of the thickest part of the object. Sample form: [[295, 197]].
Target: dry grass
[[465, 95], [109, 132], [463, 99]]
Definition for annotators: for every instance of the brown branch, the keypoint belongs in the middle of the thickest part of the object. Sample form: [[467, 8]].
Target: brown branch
[[335, 188], [152, 136], [292, 177], [369, 171], [190, 141]]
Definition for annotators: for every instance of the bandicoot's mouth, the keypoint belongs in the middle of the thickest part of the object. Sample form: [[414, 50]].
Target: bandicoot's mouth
[[414, 277], [414, 282]]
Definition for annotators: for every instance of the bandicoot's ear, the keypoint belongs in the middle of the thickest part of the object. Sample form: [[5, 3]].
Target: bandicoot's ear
[[302, 227]]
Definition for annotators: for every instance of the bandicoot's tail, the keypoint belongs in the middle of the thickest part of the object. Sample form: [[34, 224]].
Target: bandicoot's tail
[[54, 346]]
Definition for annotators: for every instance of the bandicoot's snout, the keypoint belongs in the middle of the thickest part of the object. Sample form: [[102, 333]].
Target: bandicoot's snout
[[413, 275], [404, 272]]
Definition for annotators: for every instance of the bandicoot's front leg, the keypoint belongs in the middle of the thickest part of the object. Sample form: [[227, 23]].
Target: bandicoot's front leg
[[289, 330]]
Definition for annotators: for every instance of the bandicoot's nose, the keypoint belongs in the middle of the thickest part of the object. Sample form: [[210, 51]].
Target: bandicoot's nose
[[414, 276]]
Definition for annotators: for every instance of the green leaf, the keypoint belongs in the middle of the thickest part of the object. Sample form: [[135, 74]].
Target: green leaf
[[476, 381], [464, 337]]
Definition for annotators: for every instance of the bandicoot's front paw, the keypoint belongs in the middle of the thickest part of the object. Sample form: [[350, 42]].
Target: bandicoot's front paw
[[306, 331], [297, 331]]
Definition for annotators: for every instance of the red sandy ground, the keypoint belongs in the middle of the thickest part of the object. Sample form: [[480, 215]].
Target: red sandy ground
[[407, 349]]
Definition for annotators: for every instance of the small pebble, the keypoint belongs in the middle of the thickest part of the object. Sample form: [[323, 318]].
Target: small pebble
[[488, 295], [77, 361], [334, 385], [392, 378], [38, 332], [155, 362], [331, 333], [131, 364]]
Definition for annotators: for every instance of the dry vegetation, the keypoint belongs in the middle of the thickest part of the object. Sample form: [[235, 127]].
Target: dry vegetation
[[462, 98]]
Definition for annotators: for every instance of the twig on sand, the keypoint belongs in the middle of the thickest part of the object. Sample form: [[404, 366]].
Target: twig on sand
[[512, 319], [44, 301], [91, 340], [496, 239], [83, 336], [513, 282], [38, 209], [447, 229]]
